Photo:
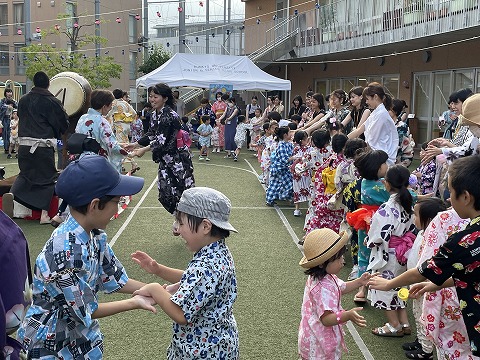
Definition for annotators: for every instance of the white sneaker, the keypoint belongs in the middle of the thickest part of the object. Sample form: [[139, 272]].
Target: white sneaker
[[207, 159], [354, 273], [297, 212], [201, 158]]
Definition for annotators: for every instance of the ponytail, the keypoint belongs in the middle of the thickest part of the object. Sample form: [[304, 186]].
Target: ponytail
[[397, 176]]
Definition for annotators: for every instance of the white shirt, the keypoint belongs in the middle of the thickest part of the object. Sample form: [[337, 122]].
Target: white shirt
[[381, 133]]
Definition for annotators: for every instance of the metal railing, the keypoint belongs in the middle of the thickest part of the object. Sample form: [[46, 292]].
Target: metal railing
[[346, 25]]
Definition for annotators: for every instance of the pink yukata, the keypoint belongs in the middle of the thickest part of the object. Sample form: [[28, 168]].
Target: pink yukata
[[441, 313], [316, 341]]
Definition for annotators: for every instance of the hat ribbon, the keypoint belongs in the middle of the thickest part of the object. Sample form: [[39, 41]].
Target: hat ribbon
[[329, 248]]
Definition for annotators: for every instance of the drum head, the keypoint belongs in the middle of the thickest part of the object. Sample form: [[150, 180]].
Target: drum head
[[72, 90]]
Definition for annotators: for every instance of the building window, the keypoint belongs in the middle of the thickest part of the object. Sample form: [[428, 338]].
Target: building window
[[18, 18], [4, 60], [132, 29], [133, 65], [4, 19], [19, 62], [71, 10]]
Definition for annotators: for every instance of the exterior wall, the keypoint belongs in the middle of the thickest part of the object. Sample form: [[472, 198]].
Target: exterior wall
[[45, 16]]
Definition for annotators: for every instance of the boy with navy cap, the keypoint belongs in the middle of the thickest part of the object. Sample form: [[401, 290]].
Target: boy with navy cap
[[201, 301], [76, 263]]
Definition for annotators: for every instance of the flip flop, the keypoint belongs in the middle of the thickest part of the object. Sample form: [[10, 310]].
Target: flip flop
[[388, 331]]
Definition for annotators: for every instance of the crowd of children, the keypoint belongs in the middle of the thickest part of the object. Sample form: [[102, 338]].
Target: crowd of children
[[394, 221]]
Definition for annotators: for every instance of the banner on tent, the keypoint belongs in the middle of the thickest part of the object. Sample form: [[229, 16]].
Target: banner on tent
[[223, 88]]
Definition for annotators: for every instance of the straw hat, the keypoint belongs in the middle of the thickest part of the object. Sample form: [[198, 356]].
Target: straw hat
[[471, 110], [320, 245]]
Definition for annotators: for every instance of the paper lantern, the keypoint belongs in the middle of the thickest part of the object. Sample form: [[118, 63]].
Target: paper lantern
[[158, 14], [118, 20], [137, 17], [57, 27], [97, 21], [75, 25], [180, 9], [200, 3], [37, 30], [19, 32]]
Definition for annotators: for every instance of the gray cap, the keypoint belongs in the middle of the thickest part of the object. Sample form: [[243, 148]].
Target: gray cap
[[207, 204]]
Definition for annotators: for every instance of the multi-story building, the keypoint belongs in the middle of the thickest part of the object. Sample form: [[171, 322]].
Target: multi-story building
[[120, 23], [216, 38], [421, 50]]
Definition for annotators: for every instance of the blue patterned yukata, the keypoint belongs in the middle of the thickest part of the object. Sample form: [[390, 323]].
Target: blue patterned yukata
[[70, 270], [280, 184], [206, 295]]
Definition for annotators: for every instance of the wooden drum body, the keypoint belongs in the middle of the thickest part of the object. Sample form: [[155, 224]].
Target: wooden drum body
[[73, 90]]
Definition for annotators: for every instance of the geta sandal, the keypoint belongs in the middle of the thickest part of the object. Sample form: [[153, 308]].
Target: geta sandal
[[360, 299], [388, 331], [407, 330]]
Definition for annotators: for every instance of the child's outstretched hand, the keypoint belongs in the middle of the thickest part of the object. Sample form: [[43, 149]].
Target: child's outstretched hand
[[379, 283], [145, 303], [146, 262], [365, 278], [355, 317], [417, 290]]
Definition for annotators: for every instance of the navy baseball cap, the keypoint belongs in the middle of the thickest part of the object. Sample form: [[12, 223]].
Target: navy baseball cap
[[92, 177]]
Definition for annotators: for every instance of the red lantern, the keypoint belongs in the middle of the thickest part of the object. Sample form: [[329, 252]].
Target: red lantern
[[37, 30], [137, 17], [19, 32], [97, 21], [57, 27], [180, 9], [158, 14], [118, 20], [75, 25]]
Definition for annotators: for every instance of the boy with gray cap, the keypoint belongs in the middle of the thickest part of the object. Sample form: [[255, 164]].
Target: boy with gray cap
[[200, 303], [76, 263]]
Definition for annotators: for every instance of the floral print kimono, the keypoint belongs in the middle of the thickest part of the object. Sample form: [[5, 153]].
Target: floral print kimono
[[301, 182], [322, 216], [311, 163], [441, 309], [389, 221], [175, 168], [218, 109]]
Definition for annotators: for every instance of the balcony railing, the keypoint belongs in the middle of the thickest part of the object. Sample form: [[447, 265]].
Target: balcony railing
[[347, 25]]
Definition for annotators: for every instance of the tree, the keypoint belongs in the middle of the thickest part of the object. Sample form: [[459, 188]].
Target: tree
[[156, 58], [43, 57]]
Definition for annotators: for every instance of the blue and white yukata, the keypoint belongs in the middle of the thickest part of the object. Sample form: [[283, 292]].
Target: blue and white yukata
[[70, 270], [206, 295], [280, 184]]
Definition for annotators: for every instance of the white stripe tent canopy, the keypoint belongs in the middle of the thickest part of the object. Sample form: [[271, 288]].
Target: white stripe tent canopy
[[200, 71]]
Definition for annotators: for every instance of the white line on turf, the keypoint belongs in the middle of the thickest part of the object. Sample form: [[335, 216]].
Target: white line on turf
[[280, 214], [355, 335], [132, 214]]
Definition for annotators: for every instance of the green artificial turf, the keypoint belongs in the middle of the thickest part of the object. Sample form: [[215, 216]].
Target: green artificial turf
[[270, 281]]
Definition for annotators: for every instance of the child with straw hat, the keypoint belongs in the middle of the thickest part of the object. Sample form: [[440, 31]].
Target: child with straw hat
[[320, 333]]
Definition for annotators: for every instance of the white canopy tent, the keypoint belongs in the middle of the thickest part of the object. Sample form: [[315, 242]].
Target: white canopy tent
[[201, 71]]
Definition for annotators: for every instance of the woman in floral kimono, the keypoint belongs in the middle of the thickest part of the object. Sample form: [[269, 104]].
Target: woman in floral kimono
[[175, 168], [218, 108], [441, 309], [390, 236]]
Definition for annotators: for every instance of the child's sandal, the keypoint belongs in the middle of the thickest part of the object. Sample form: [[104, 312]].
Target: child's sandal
[[407, 330], [388, 331], [419, 354]]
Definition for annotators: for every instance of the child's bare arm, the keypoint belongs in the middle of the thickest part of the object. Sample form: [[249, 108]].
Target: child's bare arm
[[131, 286], [329, 318], [162, 298], [355, 284], [115, 307], [148, 264]]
